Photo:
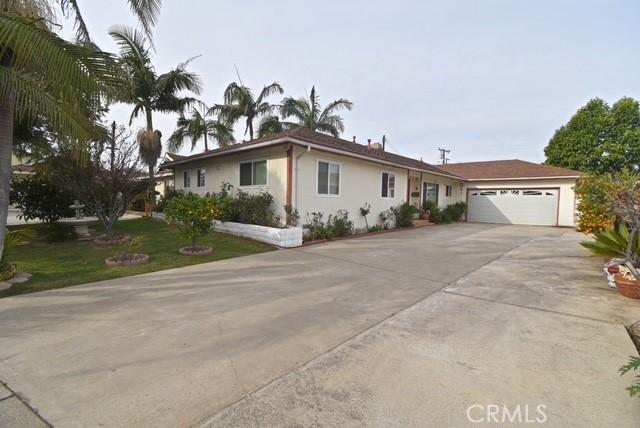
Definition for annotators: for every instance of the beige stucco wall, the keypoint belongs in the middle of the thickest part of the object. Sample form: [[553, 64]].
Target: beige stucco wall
[[360, 182], [227, 169], [566, 207], [458, 193]]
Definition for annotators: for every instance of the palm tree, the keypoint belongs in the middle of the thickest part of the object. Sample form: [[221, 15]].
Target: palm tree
[[197, 126], [150, 92], [309, 114], [43, 75], [239, 102]]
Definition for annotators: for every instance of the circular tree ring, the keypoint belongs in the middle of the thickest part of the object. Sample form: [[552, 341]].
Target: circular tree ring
[[120, 240], [127, 260], [197, 250]]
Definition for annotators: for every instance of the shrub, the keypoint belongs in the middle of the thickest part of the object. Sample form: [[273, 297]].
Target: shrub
[[293, 216], [385, 218], [613, 243], [594, 211], [57, 232], [340, 224], [38, 198], [403, 214], [453, 212], [337, 225], [365, 210], [169, 194], [193, 214], [244, 207], [316, 228], [633, 365]]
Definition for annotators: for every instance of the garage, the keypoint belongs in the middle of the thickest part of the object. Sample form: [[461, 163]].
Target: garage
[[514, 206]]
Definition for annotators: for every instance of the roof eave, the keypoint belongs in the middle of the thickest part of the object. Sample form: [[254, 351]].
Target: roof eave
[[555, 177], [304, 143]]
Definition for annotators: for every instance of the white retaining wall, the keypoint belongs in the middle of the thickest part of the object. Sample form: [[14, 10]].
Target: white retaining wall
[[287, 238]]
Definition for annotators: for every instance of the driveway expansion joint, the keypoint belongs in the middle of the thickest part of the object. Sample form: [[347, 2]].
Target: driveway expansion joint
[[17, 396]]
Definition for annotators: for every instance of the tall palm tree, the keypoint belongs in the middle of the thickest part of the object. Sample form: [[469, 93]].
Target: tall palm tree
[[150, 92], [309, 114], [196, 127], [240, 102], [44, 75]]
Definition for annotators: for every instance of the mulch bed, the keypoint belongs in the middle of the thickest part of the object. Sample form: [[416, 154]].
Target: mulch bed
[[198, 250], [127, 260], [120, 240]]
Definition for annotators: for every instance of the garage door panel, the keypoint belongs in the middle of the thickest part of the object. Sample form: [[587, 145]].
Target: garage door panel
[[514, 206]]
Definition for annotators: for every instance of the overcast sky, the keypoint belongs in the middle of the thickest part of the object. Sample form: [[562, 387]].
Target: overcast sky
[[487, 79]]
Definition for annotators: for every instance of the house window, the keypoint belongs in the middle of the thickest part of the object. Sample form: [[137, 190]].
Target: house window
[[328, 178], [201, 175], [448, 191], [187, 179], [388, 185], [253, 173], [430, 192]]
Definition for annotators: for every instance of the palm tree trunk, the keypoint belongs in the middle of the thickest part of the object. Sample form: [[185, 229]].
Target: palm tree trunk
[[7, 106], [206, 146], [152, 177], [250, 129]]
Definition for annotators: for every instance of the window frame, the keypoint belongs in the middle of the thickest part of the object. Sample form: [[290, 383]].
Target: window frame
[[186, 179], [329, 163], [448, 190], [252, 162], [395, 181], [204, 177]]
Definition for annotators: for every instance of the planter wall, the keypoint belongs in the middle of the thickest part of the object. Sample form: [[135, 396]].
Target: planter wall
[[286, 238]]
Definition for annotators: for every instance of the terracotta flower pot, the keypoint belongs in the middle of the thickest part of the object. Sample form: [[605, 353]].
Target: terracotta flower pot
[[628, 287]]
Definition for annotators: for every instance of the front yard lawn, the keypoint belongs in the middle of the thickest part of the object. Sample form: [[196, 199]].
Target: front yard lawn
[[56, 265]]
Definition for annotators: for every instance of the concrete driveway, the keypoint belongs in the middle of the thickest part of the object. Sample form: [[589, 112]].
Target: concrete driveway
[[407, 328]]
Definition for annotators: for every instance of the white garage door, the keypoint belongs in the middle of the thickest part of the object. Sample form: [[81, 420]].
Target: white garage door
[[514, 206]]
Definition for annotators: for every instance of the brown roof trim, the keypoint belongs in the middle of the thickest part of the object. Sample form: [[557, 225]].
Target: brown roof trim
[[511, 169]]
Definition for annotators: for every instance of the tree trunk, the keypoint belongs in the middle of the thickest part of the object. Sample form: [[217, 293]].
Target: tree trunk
[[250, 124], [152, 167], [206, 146], [7, 106]]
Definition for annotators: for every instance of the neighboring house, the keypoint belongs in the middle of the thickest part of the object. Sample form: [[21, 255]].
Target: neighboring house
[[314, 172], [21, 167]]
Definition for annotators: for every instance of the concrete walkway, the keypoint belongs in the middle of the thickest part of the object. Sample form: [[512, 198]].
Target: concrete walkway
[[409, 328]]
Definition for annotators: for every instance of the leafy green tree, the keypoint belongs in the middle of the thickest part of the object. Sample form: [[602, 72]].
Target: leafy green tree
[[240, 102], [38, 198], [598, 138], [197, 127], [42, 74], [150, 92], [308, 113]]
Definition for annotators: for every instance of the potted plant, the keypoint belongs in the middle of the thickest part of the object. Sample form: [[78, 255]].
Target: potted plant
[[623, 193]]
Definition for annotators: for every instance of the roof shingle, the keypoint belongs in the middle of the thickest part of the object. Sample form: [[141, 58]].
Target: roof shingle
[[504, 169]]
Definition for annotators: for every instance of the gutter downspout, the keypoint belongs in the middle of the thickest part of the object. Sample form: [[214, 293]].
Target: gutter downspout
[[296, 176]]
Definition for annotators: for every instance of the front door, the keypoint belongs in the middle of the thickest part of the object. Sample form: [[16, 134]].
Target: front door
[[430, 192]]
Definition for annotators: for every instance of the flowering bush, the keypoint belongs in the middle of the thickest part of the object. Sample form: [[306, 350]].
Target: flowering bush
[[193, 214], [594, 210]]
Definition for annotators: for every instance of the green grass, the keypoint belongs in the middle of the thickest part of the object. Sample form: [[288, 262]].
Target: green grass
[[56, 265]]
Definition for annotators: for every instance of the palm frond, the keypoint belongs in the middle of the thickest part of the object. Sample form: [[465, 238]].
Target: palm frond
[[69, 69], [82, 32], [32, 100], [147, 12], [132, 44], [269, 90]]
